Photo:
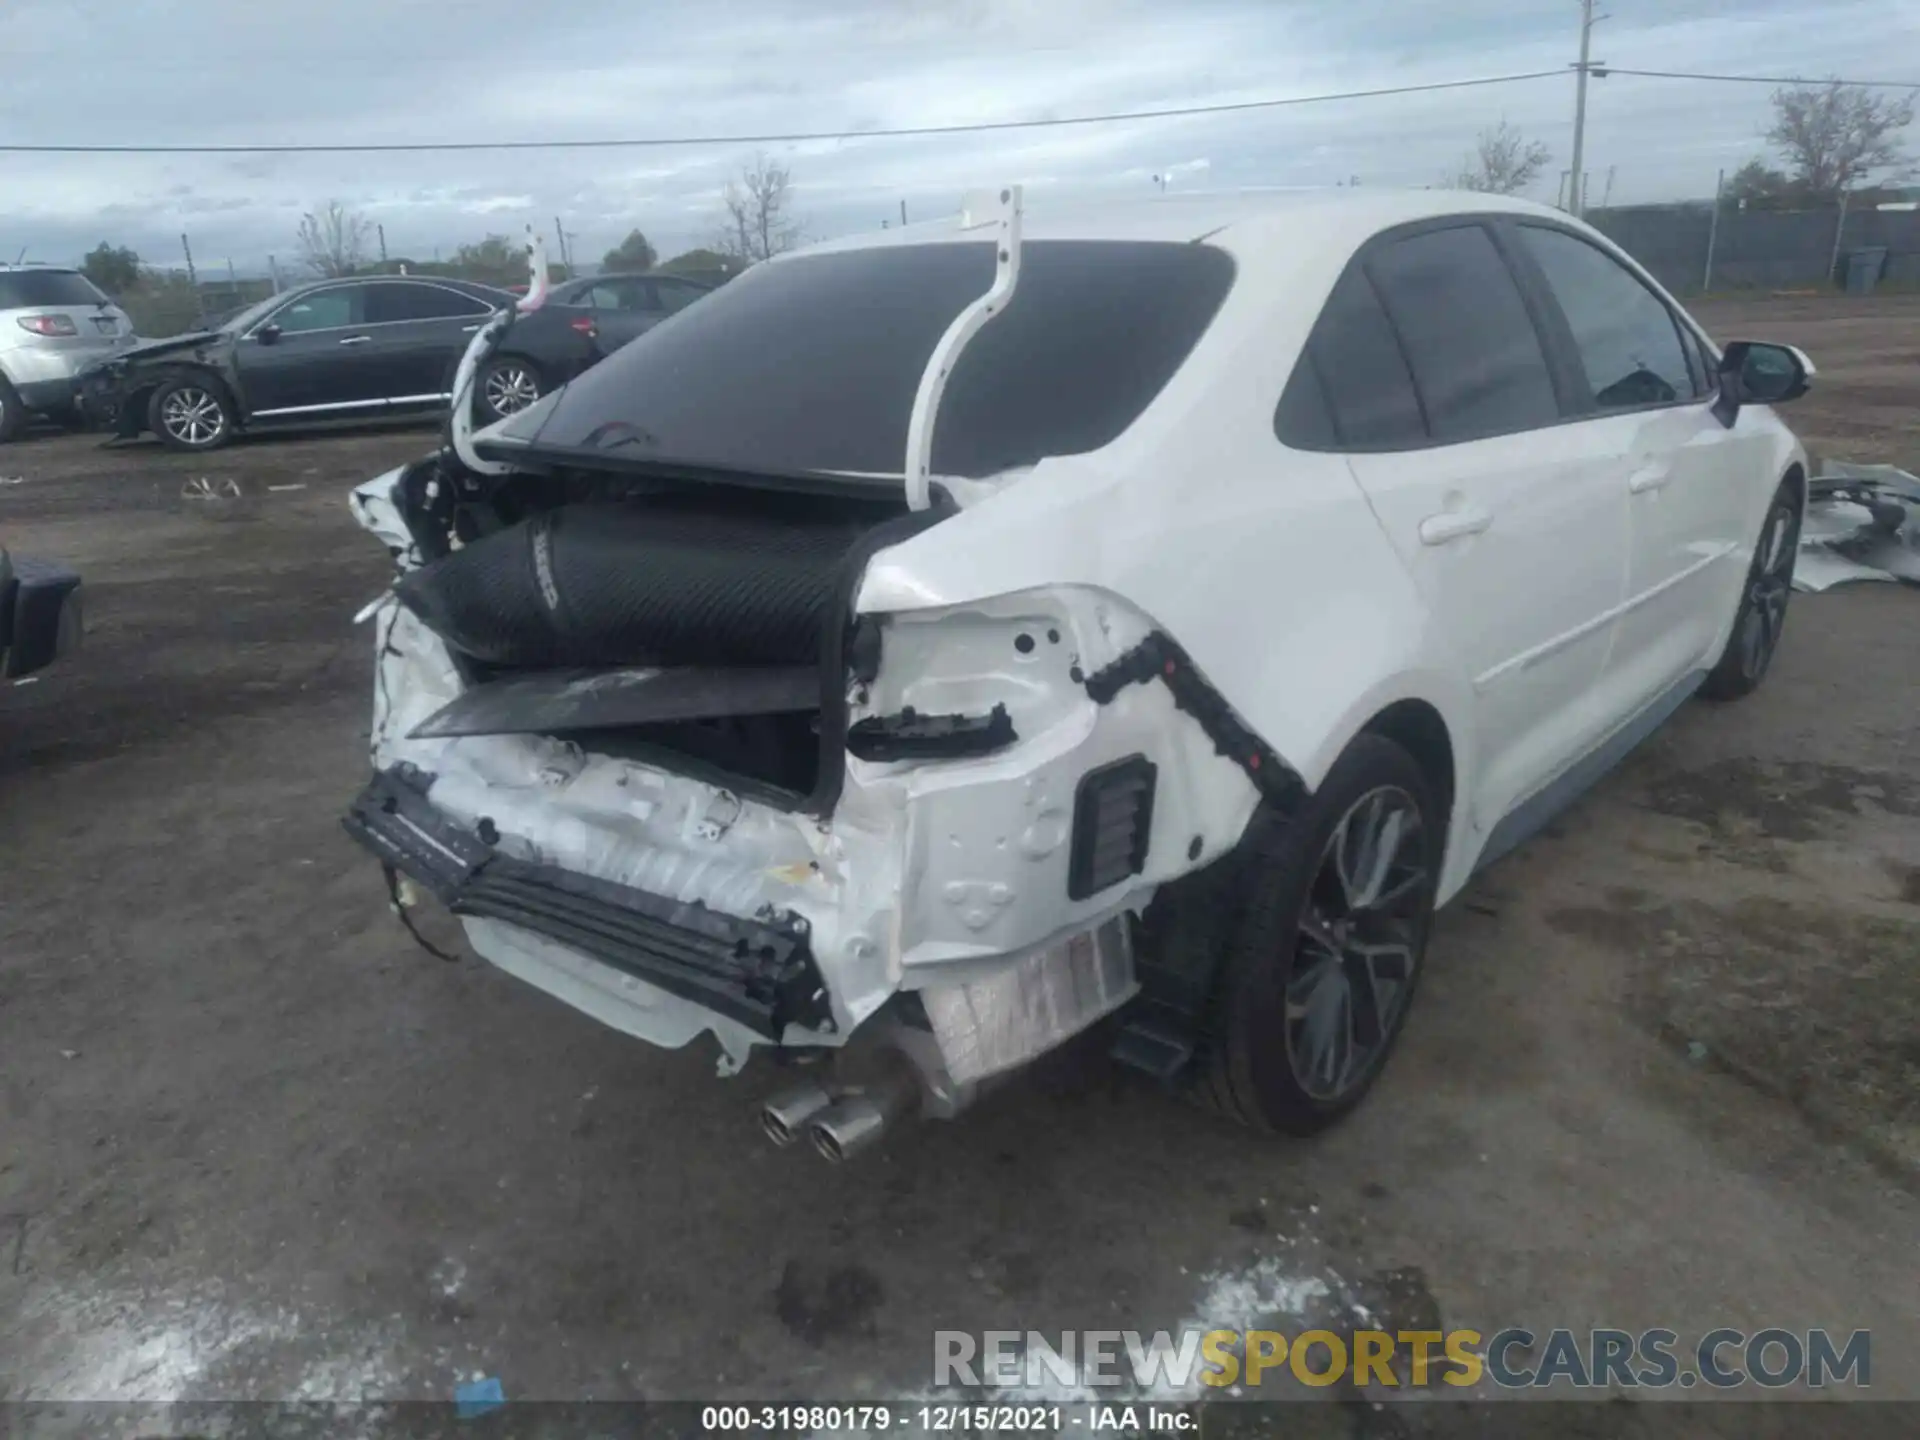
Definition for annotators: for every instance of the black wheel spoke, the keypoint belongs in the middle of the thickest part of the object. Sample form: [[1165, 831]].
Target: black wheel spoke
[[1355, 948], [1369, 1014]]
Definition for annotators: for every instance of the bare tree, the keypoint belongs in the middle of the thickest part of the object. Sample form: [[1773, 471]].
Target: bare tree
[[758, 224], [1504, 162], [1834, 136], [333, 240]]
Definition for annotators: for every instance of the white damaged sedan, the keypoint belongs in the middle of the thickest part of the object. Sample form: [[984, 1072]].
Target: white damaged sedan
[[937, 641]]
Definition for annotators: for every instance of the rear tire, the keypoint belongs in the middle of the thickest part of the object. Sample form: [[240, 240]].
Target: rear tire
[[1763, 603], [1319, 968], [13, 414], [192, 413]]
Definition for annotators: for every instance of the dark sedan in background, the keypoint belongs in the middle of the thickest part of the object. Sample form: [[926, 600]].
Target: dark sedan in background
[[336, 349], [625, 307]]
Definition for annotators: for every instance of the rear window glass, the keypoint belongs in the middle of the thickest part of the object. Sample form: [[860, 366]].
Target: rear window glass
[[809, 365], [22, 289]]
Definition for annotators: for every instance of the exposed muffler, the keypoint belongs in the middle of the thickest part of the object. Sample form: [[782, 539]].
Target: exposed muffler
[[784, 1118], [861, 1115]]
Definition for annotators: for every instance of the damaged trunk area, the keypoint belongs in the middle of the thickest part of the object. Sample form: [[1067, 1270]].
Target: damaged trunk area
[[701, 627]]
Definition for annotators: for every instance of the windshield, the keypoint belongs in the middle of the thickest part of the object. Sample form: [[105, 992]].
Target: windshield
[[809, 365], [23, 289]]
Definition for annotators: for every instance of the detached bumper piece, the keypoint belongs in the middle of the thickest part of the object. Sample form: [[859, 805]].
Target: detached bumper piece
[[760, 973], [40, 617]]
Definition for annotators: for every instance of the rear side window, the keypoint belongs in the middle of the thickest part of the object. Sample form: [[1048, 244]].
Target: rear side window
[[387, 303], [1353, 369], [1628, 342], [27, 289], [1476, 357]]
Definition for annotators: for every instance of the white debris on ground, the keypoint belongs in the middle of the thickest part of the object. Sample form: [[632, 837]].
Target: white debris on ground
[[131, 1345], [1862, 523], [1272, 1292]]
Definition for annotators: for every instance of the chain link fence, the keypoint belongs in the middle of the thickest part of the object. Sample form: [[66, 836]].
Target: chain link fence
[[1691, 249]]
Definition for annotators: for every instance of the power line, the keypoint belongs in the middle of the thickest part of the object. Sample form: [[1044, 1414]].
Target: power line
[[898, 132], [908, 131], [1760, 79]]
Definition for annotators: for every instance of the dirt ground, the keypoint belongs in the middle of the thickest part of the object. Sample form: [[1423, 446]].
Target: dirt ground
[[254, 1143]]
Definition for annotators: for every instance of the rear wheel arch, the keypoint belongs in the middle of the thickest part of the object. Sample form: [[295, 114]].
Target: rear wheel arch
[[1418, 727]]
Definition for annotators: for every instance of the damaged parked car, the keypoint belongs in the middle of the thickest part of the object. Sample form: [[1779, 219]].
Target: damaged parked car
[[331, 350], [937, 641]]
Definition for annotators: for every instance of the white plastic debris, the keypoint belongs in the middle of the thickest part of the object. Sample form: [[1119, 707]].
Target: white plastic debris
[[1862, 523]]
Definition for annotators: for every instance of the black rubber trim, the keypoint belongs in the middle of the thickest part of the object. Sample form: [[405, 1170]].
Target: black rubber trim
[[913, 736], [760, 973], [1158, 657]]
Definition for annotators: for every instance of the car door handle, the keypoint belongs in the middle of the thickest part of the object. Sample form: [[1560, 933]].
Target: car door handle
[[1652, 476], [1452, 525], [358, 340], [468, 329]]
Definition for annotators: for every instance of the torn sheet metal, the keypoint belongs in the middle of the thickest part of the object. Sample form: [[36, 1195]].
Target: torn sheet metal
[[1862, 523], [988, 1026]]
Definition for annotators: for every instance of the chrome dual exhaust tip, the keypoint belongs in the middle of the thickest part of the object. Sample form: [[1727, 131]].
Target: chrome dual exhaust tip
[[847, 1128], [784, 1118], [840, 1121], [856, 1121]]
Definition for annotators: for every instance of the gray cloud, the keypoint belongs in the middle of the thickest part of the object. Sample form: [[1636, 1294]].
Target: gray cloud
[[229, 72]]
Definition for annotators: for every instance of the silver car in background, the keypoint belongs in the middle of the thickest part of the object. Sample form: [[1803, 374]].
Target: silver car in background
[[54, 322]]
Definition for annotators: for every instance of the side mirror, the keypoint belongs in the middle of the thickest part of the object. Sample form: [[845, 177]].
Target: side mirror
[[1755, 373], [267, 334]]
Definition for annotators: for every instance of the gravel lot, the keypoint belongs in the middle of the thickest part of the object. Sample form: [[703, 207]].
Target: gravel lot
[[255, 1143]]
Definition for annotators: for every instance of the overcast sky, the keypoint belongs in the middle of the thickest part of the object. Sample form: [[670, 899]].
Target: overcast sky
[[249, 71]]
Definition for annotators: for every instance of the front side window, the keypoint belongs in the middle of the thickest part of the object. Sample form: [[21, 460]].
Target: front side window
[[1477, 359], [386, 303], [1628, 342], [334, 309]]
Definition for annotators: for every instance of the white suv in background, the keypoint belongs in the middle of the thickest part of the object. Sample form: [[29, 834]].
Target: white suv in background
[[54, 322]]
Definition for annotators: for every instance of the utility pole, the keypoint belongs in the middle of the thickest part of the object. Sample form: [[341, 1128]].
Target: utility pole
[[1577, 201], [193, 280], [903, 210], [382, 231], [560, 234], [1713, 231], [273, 271]]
